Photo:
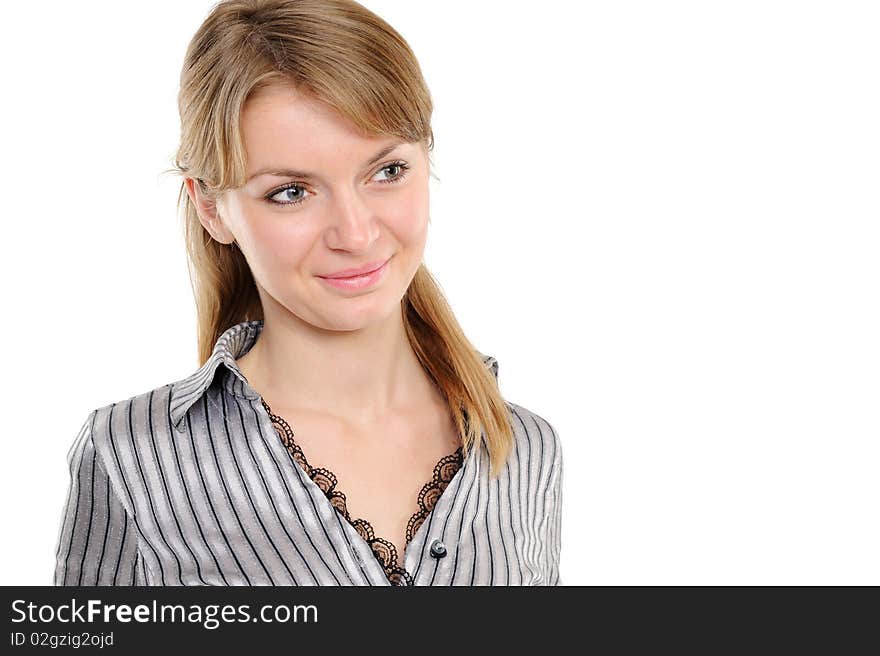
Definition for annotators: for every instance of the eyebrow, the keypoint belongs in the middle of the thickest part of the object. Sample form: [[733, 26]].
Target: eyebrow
[[291, 173]]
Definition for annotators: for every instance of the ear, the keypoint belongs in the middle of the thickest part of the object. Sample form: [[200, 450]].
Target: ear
[[206, 208]]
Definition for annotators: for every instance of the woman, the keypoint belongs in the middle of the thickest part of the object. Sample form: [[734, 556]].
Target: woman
[[341, 430]]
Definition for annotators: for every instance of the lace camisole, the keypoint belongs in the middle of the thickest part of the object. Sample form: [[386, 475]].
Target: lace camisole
[[384, 550]]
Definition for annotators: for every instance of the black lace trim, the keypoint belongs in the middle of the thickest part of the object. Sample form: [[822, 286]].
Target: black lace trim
[[384, 551]]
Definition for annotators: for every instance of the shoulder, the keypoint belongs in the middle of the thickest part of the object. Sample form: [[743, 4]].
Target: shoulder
[[124, 423], [535, 437], [112, 438]]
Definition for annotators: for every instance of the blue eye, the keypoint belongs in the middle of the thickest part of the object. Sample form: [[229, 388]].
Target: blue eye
[[284, 190], [401, 169], [400, 166]]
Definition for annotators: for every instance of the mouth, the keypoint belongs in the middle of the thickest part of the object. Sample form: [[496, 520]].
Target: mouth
[[358, 271], [356, 282]]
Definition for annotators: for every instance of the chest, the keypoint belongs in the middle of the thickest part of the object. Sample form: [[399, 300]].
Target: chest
[[374, 472]]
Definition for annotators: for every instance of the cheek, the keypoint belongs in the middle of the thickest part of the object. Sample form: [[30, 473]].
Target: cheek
[[279, 244], [407, 218]]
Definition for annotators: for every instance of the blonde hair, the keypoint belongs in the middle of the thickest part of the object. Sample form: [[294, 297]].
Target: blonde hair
[[339, 53]]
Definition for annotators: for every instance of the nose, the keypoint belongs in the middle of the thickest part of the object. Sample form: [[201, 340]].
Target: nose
[[353, 225]]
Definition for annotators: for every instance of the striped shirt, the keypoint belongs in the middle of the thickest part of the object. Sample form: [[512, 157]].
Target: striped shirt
[[192, 484]]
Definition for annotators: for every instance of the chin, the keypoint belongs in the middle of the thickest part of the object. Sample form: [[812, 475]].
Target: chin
[[350, 318]]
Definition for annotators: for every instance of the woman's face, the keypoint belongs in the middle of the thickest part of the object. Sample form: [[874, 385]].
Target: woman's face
[[319, 198]]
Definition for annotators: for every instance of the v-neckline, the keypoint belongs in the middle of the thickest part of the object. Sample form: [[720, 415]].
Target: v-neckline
[[308, 474]]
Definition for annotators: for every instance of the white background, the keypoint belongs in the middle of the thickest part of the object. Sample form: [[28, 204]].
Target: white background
[[660, 218]]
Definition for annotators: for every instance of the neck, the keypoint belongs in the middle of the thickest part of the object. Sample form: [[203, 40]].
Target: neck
[[360, 375]]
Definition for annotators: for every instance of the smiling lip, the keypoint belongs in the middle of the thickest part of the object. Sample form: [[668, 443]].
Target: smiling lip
[[363, 281], [359, 271]]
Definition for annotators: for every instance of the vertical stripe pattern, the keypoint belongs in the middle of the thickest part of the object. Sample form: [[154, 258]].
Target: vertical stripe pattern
[[189, 484]]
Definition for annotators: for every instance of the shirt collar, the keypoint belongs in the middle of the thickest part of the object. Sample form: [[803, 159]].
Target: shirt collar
[[231, 345]]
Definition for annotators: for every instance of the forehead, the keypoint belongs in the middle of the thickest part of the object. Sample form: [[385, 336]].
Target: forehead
[[281, 125]]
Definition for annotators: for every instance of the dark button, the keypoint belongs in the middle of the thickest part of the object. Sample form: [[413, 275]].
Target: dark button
[[438, 549]]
